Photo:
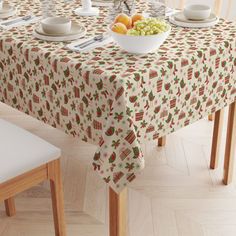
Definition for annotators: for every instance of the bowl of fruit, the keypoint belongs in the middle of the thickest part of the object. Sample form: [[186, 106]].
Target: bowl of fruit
[[137, 34]]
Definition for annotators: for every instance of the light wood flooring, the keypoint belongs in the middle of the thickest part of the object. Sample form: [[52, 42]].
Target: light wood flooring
[[176, 194]]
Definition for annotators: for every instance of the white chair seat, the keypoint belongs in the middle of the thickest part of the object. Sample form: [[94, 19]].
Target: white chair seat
[[21, 151]]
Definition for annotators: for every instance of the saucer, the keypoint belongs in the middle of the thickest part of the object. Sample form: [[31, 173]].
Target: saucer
[[193, 24], [7, 11], [76, 32], [180, 17]]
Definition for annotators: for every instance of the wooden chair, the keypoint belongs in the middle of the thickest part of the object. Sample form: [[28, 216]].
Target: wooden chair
[[25, 161]]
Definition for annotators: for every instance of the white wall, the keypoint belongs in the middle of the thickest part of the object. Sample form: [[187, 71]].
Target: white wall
[[227, 10]]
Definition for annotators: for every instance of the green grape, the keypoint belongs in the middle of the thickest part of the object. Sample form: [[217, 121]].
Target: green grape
[[148, 26]]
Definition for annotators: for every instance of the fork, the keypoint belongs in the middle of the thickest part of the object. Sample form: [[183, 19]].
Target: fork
[[25, 18], [98, 38]]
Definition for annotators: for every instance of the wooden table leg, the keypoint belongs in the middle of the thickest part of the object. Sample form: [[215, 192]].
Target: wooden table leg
[[118, 213], [211, 117], [10, 206], [230, 145], [217, 133], [162, 141]]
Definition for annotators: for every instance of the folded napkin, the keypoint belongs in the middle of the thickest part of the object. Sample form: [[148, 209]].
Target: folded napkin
[[102, 3], [72, 46], [171, 11], [18, 21]]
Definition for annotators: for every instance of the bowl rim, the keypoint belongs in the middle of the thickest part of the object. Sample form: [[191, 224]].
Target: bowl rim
[[189, 7], [139, 36], [46, 21]]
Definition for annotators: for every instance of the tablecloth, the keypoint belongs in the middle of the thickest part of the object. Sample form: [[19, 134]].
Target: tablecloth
[[114, 99]]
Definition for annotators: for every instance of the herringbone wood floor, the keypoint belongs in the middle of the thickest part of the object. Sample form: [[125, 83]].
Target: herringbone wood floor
[[176, 194]]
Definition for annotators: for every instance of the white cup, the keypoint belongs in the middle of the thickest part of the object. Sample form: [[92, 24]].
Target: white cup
[[1, 4]]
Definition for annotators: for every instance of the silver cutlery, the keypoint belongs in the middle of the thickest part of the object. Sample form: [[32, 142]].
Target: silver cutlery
[[98, 38], [25, 18]]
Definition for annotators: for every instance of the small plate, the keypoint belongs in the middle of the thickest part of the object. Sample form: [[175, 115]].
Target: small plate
[[7, 11], [193, 24], [76, 32], [180, 17]]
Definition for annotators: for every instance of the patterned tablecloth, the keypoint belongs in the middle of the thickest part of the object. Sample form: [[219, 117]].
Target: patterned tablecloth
[[114, 99]]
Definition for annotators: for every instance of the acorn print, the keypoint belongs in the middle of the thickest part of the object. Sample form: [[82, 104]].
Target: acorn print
[[197, 74], [151, 96], [117, 176], [153, 74], [35, 99], [37, 61], [110, 131], [112, 157], [19, 69], [85, 100], [69, 126], [119, 93], [167, 86], [46, 79], [47, 105], [76, 92], [26, 55], [210, 72], [1, 48], [10, 87], [64, 111], [99, 112], [1, 66], [157, 109], [99, 85], [54, 66], [67, 72], [40, 112], [77, 118], [187, 96], [133, 99]]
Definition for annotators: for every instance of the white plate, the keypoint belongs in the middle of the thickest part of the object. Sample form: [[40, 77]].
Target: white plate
[[7, 11], [195, 24], [76, 32], [180, 17]]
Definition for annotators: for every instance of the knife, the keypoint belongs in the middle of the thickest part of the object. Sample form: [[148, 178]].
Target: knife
[[25, 18]]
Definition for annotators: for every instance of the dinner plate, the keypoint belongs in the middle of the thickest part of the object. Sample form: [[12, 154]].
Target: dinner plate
[[193, 24], [180, 17], [76, 32], [7, 11]]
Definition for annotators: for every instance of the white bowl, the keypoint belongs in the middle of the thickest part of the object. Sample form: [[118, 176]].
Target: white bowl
[[197, 12], [139, 44], [56, 25]]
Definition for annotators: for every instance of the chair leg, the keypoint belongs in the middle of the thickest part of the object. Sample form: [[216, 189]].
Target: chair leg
[[217, 133], [162, 141], [118, 213], [54, 174], [10, 206], [230, 145]]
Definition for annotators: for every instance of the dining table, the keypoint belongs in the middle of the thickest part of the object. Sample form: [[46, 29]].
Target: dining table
[[114, 99]]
